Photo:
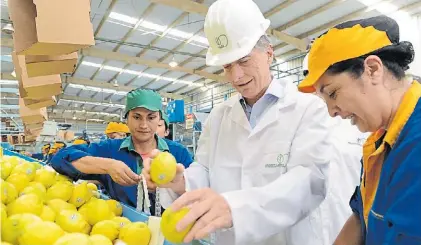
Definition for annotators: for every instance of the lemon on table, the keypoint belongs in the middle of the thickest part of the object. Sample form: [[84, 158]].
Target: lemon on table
[[99, 240], [62, 190], [163, 168], [136, 233], [47, 214], [29, 203], [8, 192], [33, 190], [168, 225], [57, 205], [6, 169], [80, 194], [14, 226], [3, 214], [98, 210], [40, 232], [92, 187], [38, 186], [19, 180], [5, 243], [74, 239], [121, 221], [14, 160], [115, 207], [60, 177], [45, 176], [107, 228], [72, 221], [25, 168]]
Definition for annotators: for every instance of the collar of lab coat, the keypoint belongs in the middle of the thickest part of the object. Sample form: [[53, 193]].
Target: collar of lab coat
[[286, 92]]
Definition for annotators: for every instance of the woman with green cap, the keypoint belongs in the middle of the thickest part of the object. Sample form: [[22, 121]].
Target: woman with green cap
[[117, 163], [358, 68]]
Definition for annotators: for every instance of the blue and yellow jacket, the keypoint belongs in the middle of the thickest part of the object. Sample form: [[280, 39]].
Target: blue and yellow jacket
[[119, 149], [388, 200]]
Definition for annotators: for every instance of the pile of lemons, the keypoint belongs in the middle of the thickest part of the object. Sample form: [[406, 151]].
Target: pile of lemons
[[40, 206]]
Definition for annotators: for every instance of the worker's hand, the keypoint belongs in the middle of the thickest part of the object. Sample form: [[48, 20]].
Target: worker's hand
[[178, 183], [121, 173], [208, 209]]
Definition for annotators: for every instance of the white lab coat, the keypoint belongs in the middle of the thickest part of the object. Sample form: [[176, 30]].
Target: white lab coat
[[273, 176], [344, 176]]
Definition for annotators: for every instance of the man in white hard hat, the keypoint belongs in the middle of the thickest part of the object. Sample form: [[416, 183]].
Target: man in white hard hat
[[263, 155]]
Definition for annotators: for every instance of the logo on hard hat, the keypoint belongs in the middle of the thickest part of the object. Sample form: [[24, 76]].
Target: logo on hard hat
[[221, 41]]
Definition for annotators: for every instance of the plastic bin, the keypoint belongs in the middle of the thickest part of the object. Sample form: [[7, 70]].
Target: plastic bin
[[128, 211]]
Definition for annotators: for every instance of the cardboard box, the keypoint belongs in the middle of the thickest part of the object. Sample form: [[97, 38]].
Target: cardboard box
[[43, 65], [30, 116], [34, 125], [39, 103], [45, 27], [35, 87]]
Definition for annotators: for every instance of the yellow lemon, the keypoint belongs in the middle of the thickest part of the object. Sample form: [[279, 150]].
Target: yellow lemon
[[121, 221], [136, 233], [29, 203], [37, 165], [60, 177], [19, 180], [80, 194], [92, 187], [72, 221], [14, 226], [115, 207], [97, 211], [6, 169], [14, 160], [5, 243], [47, 214], [74, 239], [3, 214], [62, 190], [33, 190], [8, 192], [41, 232], [84, 211], [107, 228], [99, 240], [25, 168], [37, 185], [168, 223], [57, 205], [45, 176], [163, 168]]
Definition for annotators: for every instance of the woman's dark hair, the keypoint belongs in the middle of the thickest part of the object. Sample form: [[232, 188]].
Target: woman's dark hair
[[396, 58]]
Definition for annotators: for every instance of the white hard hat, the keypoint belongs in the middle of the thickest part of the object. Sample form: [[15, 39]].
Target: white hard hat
[[232, 28]]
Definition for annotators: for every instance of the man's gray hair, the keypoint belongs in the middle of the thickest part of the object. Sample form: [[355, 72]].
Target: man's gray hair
[[263, 43]]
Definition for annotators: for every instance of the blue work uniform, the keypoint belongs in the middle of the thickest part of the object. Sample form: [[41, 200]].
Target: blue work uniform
[[180, 152], [388, 200], [118, 149], [38, 156]]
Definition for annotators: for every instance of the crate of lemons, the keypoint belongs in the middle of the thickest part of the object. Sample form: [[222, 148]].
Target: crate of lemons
[[40, 206]]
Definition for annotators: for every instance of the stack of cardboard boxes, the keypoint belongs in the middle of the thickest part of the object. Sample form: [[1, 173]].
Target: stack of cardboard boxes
[[47, 36]]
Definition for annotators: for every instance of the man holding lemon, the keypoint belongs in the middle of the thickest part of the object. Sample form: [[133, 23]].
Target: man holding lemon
[[117, 163]]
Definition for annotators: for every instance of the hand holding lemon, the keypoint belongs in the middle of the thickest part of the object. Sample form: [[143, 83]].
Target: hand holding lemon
[[162, 170]]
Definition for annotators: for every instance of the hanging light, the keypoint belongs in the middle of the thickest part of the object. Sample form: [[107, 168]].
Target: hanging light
[[173, 63], [13, 73]]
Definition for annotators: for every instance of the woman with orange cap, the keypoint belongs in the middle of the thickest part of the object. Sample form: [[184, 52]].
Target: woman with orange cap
[[358, 68], [116, 130]]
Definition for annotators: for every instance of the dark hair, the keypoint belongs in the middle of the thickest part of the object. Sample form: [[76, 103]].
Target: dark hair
[[396, 58]]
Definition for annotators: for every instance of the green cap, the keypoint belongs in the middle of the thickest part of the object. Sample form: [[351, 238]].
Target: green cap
[[144, 98], [165, 118]]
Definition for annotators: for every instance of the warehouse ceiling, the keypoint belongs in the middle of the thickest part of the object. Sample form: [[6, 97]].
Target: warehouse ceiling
[[160, 45]]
